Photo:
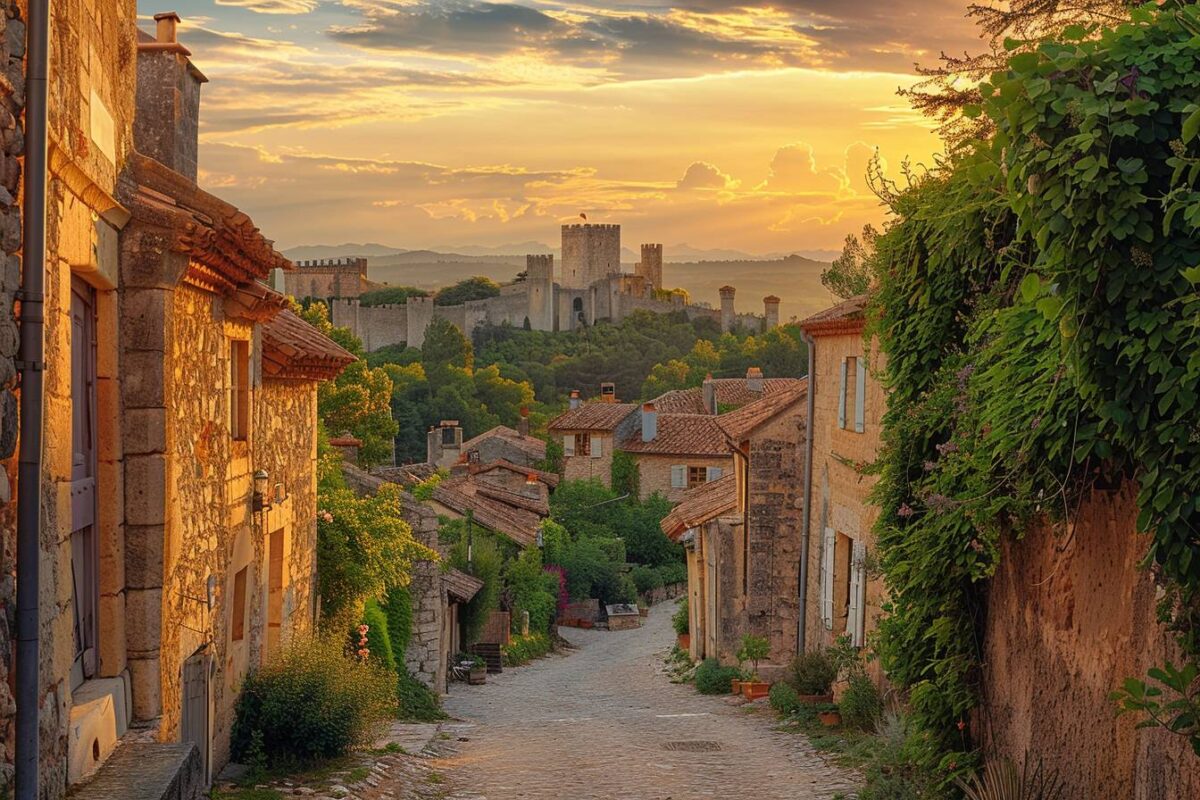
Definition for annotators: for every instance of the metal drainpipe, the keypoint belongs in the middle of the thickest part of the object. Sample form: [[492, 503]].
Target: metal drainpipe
[[33, 271], [808, 478]]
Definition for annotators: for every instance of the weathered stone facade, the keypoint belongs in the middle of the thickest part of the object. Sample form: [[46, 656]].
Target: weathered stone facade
[[655, 473], [325, 277]]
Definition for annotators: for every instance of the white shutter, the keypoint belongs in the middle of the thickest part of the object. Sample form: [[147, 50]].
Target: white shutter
[[569, 444], [596, 443], [827, 561], [860, 395], [679, 477], [842, 397], [856, 624], [714, 473]]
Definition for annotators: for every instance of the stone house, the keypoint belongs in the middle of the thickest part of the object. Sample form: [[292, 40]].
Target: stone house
[[589, 432], [178, 480], [743, 534], [842, 597], [676, 452], [445, 445]]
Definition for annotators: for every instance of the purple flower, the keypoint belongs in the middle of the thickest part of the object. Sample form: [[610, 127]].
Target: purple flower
[[1036, 422], [928, 466], [905, 511], [947, 447], [938, 502]]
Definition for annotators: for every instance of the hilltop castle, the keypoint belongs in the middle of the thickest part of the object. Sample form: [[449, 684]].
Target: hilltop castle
[[591, 287]]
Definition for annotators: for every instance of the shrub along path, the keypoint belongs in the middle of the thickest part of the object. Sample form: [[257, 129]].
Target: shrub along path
[[605, 723]]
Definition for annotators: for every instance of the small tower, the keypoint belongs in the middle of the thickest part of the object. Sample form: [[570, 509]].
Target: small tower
[[771, 311], [651, 266], [728, 314], [539, 286]]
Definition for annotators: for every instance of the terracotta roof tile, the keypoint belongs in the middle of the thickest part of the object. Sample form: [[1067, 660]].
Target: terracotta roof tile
[[461, 495], [681, 401], [847, 315], [551, 479], [460, 585], [532, 446], [682, 435], [406, 474], [704, 503], [594, 417], [740, 423], [295, 350], [733, 392]]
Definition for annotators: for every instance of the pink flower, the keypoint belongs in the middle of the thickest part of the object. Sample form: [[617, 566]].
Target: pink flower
[[362, 629], [905, 511]]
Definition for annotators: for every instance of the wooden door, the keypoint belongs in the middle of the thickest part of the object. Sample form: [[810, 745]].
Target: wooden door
[[85, 556], [194, 727]]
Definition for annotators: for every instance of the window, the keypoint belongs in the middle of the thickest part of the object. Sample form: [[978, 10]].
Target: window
[[237, 624], [697, 476], [583, 444], [274, 591], [852, 394], [449, 436], [239, 388]]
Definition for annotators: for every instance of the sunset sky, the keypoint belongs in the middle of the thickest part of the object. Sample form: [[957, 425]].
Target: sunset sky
[[743, 124]]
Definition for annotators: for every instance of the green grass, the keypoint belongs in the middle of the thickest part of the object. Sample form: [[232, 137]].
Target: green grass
[[246, 794], [358, 774], [435, 777]]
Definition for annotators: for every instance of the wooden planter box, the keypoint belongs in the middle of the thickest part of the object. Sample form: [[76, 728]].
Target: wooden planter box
[[477, 676], [755, 690], [685, 641]]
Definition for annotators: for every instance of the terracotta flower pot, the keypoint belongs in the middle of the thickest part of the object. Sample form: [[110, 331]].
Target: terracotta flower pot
[[755, 690], [815, 699], [685, 641], [735, 686], [830, 719]]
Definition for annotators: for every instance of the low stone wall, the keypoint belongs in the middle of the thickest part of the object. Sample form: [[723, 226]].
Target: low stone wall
[[664, 593], [580, 614]]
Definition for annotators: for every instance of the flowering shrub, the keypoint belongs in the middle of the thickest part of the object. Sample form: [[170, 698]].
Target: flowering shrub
[[312, 702], [375, 642]]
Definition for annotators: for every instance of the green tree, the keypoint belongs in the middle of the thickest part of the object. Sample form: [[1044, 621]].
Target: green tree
[[850, 273], [445, 347], [477, 288], [390, 295]]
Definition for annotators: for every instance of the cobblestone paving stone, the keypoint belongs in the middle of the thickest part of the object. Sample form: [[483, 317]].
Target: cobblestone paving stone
[[604, 723]]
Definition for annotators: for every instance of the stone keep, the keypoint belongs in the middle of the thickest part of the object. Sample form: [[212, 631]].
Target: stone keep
[[590, 253], [539, 281], [728, 313], [771, 312]]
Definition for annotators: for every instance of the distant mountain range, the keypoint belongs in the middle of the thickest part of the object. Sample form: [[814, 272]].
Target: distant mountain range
[[677, 253], [794, 277]]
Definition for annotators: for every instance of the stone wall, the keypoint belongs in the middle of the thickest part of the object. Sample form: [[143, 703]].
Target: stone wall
[[377, 326], [328, 278], [582, 468], [654, 473], [590, 253], [429, 649], [1070, 615]]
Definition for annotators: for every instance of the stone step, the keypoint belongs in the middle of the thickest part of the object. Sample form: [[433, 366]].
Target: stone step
[[147, 771]]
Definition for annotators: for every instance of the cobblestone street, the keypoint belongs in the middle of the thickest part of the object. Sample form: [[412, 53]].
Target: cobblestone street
[[604, 722]]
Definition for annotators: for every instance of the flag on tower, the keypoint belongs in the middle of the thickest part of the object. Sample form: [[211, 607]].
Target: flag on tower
[[583, 216]]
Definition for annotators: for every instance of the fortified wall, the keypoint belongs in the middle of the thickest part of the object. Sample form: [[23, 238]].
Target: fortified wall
[[591, 289]]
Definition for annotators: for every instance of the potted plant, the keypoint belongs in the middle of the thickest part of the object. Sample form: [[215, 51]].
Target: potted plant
[[829, 715], [478, 673], [812, 676], [754, 649], [682, 624]]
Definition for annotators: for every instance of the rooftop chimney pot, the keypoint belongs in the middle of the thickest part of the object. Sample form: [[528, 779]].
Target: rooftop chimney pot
[[166, 32], [575, 401], [649, 422]]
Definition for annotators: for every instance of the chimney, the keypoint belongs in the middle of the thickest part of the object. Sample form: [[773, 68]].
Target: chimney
[[649, 422], [575, 401], [167, 23], [710, 394], [608, 392], [166, 123], [444, 444], [754, 380], [523, 423]]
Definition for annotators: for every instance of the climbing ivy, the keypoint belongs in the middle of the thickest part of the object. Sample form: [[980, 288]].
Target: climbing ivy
[[1037, 301]]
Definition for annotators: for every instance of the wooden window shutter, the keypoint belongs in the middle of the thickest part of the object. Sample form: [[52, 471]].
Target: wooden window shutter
[[827, 562], [569, 444], [714, 473], [679, 476], [842, 397], [858, 594], [860, 395], [597, 448]]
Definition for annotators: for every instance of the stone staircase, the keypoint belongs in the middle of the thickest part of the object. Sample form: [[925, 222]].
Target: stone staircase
[[147, 771]]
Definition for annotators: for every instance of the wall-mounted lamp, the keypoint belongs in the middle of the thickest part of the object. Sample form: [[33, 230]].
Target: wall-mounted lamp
[[258, 499]]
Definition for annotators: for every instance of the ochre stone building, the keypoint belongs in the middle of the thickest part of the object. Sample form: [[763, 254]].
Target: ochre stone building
[[178, 482]]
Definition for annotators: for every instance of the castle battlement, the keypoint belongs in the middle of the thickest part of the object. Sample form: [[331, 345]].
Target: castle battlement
[[597, 226], [313, 263]]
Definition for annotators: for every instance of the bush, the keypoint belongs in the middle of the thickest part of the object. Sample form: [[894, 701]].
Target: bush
[[311, 702], [812, 672], [378, 640], [673, 573], [486, 564], [397, 605], [861, 703], [901, 763], [647, 579], [783, 698], [712, 678], [754, 649], [523, 649], [532, 589], [418, 703], [680, 619]]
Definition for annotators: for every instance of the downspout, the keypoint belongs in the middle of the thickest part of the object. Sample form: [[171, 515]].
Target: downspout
[[31, 365], [801, 631]]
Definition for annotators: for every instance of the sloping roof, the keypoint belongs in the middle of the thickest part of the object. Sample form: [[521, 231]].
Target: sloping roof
[[406, 474], [295, 350], [740, 423], [681, 435], [730, 392], [224, 247], [846, 317], [462, 494], [594, 417], [535, 504], [681, 401], [461, 586], [532, 446], [699, 505], [551, 479]]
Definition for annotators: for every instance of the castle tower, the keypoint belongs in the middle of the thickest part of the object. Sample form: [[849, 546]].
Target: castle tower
[[728, 314], [651, 266], [539, 285], [771, 311], [420, 314], [590, 253]]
